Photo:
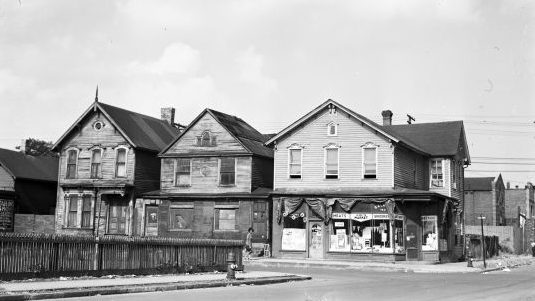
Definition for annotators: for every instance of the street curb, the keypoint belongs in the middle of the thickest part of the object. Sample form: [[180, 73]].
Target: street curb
[[153, 287], [337, 266]]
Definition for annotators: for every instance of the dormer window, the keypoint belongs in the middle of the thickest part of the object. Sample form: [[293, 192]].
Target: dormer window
[[437, 176], [332, 129]]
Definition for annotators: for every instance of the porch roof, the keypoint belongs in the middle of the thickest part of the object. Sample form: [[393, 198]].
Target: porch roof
[[260, 192]]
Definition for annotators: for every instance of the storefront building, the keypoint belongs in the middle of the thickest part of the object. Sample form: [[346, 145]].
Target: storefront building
[[364, 228], [346, 188]]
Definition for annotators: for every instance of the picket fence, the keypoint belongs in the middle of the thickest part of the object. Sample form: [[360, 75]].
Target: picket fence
[[23, 254]]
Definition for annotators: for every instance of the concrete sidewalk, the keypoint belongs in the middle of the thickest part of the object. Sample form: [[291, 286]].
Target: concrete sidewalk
[[79, 287], [400, 266]]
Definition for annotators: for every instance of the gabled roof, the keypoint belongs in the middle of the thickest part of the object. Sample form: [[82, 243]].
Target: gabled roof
[[141, 131], [478, 184], [22, 166], [431, 139], [251, 139], [436, 139], [312, 113]]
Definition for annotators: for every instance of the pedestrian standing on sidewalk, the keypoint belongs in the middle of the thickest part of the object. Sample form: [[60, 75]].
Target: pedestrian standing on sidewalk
[[249, 243], [533, 249]]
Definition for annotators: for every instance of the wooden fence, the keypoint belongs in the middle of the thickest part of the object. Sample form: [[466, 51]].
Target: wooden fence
[[474, 246], [26, 255]]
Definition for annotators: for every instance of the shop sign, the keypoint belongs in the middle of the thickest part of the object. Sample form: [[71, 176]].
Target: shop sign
[[380, 216], [338, 215], [339, 224], [429, 218], [360, 217]]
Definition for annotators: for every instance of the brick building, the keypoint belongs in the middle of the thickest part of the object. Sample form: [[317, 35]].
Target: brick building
[[486, 196], [518, 200]]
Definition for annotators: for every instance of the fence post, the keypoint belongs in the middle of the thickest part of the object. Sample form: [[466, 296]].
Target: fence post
[[96, 255]]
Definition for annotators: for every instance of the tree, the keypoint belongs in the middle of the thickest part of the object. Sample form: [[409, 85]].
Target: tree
[[37, 147]]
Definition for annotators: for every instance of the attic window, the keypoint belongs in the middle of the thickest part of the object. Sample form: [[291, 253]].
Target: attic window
[[98, 125], [206, 139], [332, 129]]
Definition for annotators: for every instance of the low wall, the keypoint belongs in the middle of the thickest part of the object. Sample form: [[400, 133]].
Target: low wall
[[31, 223]]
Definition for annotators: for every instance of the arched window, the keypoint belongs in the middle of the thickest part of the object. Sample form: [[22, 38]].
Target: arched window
[[96, 160], [72, 161], [205, 139], [120, 163]]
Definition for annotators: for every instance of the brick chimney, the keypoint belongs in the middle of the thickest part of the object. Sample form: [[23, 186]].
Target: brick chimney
[[168, 115], [508, 185], [387, 117]]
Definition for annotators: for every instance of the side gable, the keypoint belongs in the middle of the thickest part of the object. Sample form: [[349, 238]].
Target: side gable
[[187, 142]]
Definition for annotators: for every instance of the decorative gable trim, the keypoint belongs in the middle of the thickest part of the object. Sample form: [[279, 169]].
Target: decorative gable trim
[[95, 107], [332, 105]]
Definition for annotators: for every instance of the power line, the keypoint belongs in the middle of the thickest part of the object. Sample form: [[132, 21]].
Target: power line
[[504, 158], [481, 170], [503, 163]]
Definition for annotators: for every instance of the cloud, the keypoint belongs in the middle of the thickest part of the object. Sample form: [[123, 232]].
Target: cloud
[[177, 58], [251, 65]]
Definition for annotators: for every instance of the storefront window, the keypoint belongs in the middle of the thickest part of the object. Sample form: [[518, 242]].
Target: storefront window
[[430, 237], [341, 229], [294, 231], [366, 233]]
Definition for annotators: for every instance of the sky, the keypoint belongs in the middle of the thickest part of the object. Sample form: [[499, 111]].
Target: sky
[[270, 62]]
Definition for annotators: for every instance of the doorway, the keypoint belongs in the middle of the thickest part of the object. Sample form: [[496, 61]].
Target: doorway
[[315, 245]]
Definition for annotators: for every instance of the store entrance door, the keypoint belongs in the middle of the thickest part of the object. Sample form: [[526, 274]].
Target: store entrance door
[[412, 241], [315, 241]]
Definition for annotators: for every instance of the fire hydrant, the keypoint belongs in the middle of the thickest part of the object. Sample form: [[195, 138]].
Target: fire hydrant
[[469, 260], [231, 266]]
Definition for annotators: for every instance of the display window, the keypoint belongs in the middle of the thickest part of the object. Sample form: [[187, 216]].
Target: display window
[[294, 231], [430, 233], [341, 232], [367, 232]]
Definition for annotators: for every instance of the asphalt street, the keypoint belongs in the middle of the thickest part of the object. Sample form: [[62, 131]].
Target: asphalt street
[[347, 284]]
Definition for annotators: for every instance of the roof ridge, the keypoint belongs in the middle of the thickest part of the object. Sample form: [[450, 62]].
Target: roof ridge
[[129, 111]]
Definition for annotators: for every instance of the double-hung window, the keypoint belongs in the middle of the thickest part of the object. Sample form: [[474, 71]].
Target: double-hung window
[[72, 158], [437, 177], [227, 171], [369, 162], [79, 210], [183, 172], [225, 219], [72, 213], [120, 163], [86, 211], [295, 161], [96, 160], [331, 162]]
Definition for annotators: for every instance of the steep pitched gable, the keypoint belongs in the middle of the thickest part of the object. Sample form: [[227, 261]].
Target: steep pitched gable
[[141, 131], [232, 133]]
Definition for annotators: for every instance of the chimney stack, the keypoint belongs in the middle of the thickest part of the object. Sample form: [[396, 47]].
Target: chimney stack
[[508, 185], [387, 117], [168, 115], [22, 146]]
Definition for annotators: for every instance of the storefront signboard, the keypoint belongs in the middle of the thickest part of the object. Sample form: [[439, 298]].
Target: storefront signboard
[[338, 215], [360, 217], [294, 239], [380, 216]]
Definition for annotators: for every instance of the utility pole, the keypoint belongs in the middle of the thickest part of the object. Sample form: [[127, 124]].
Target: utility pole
[[481, 217]]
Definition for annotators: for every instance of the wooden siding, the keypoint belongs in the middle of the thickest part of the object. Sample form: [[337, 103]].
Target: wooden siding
[[6, 180], [225, 142], [108, 138], [209, 182], [147, 172], [410, 169], [262, 172], [352, 135]]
